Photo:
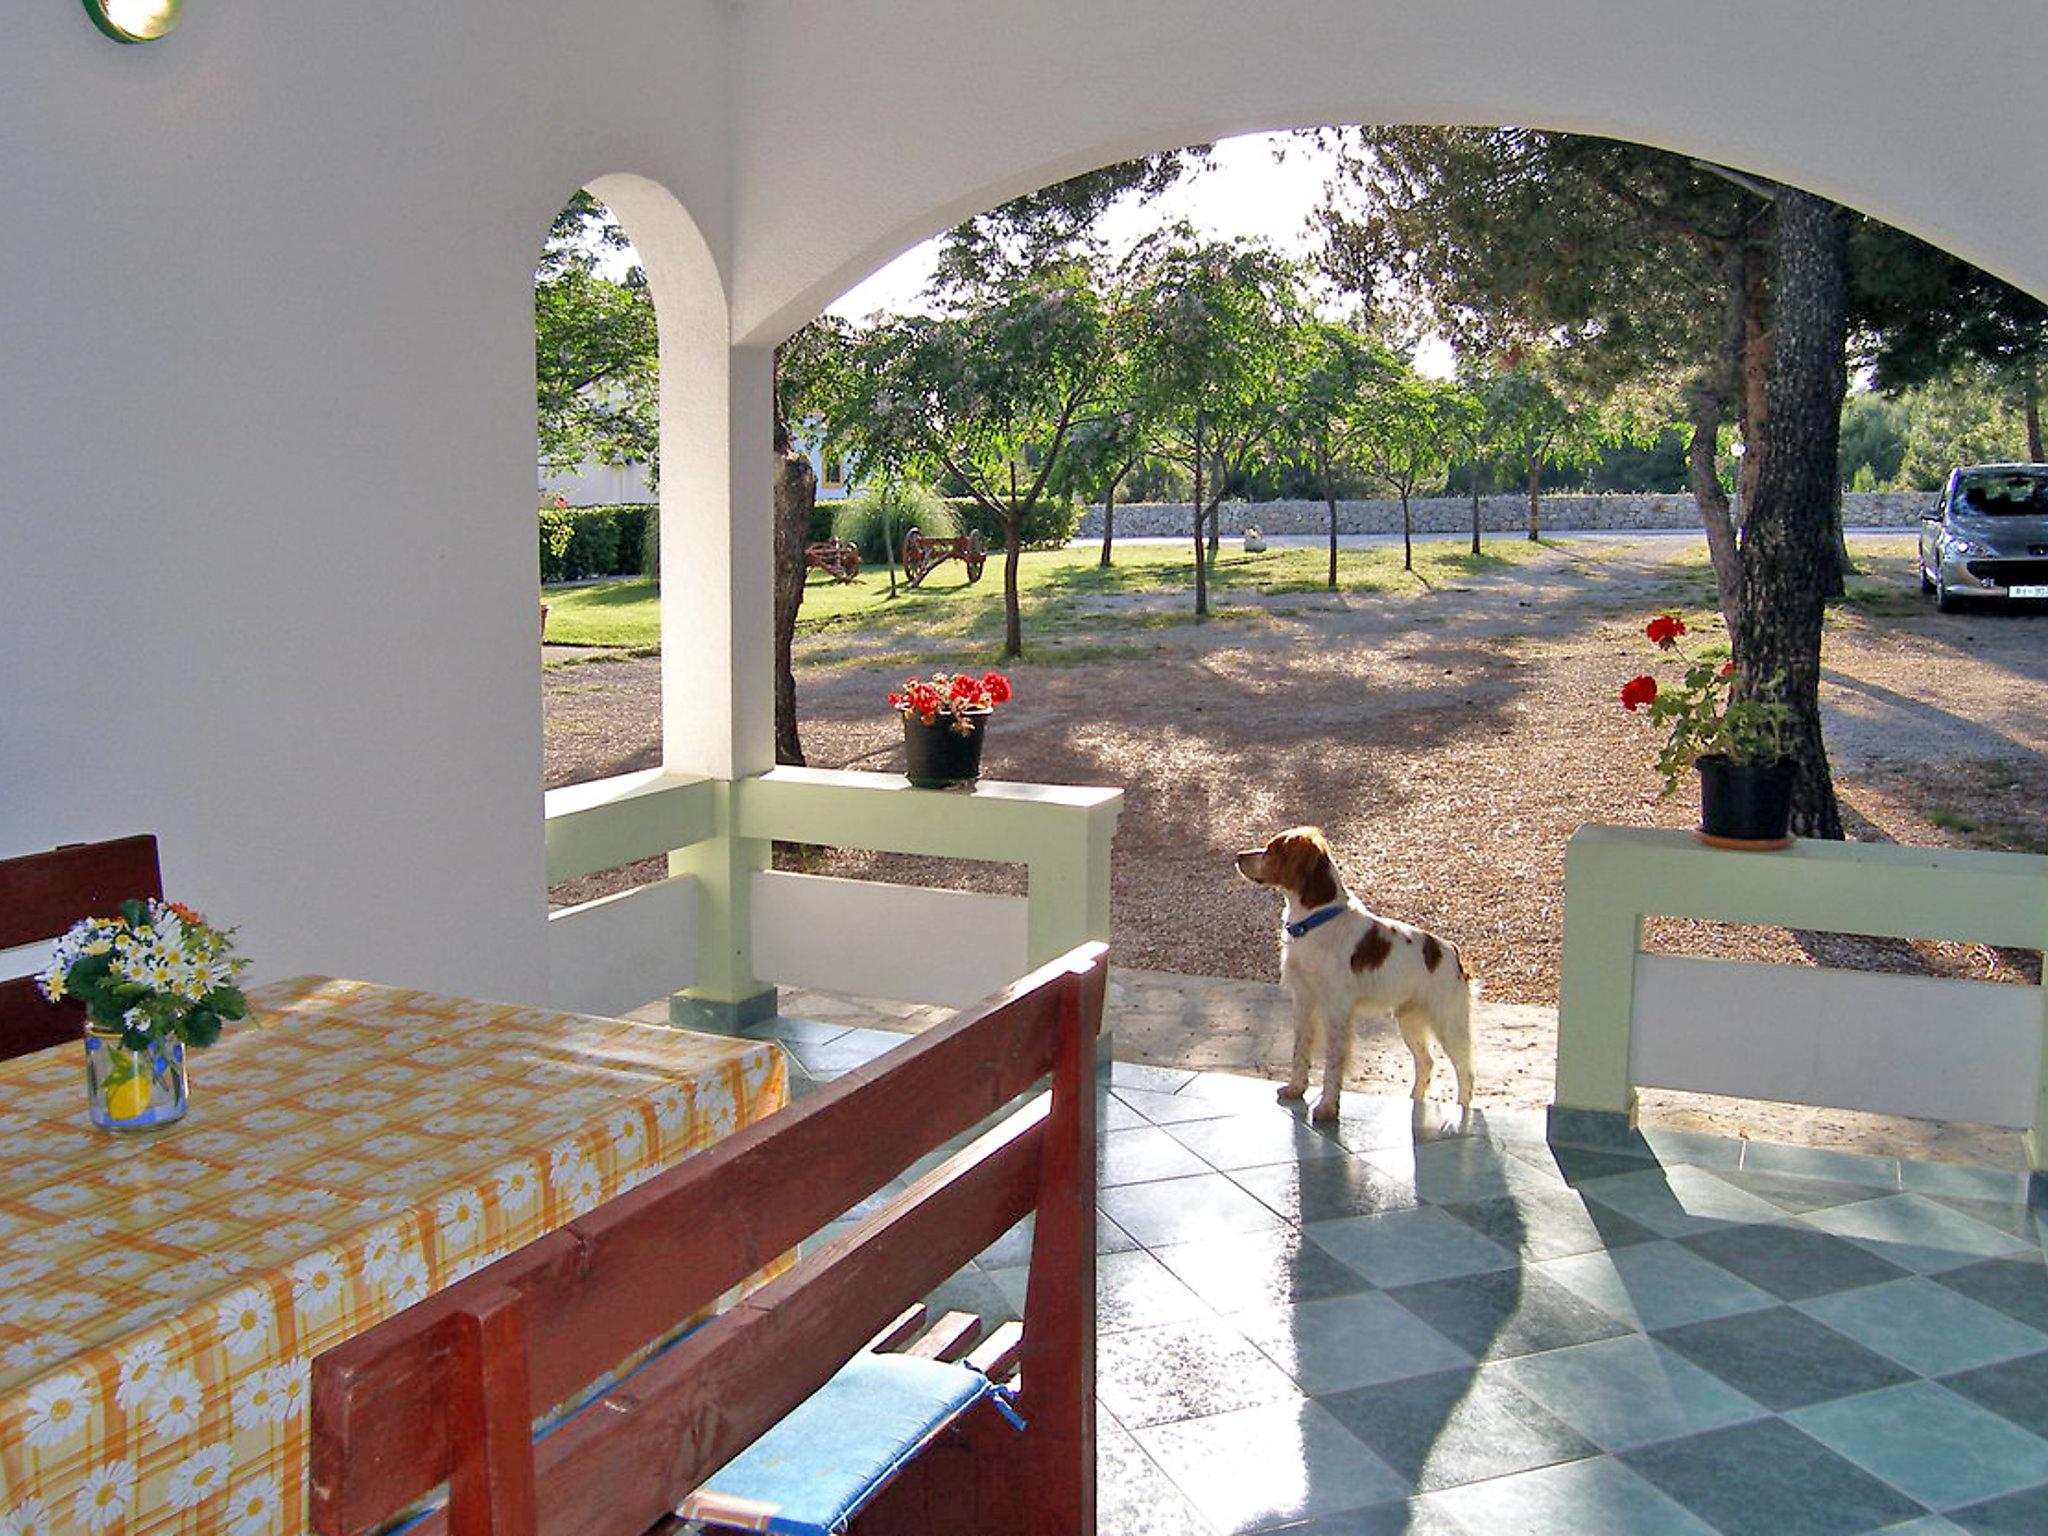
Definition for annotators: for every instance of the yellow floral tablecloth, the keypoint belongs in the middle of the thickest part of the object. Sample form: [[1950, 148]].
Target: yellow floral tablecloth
[[350, 1149]]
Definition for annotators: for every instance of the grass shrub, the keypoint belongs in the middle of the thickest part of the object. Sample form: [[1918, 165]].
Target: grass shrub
[[580, 542], [860, 519], [1051, 524]]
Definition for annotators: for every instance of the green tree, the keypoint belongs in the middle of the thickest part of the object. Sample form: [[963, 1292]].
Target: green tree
[[986, 394], [1410, 428], [1537, 420], [1642, 265], [1873, 448], [596, 351], [1925, 314], [1324, 418], [1965, 416], [1213, 318]]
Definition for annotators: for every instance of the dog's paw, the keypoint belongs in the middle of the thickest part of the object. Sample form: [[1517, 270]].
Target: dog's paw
[[1290, 1091], [1326, 1109]]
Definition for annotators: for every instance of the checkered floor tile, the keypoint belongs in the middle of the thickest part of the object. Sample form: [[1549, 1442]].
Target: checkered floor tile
[[1408, 1324]]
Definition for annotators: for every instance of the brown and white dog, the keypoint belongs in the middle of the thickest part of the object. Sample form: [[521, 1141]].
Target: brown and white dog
[[1338, 958]]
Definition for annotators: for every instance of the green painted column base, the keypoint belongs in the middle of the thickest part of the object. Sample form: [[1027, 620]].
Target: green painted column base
[[712, 1016], [1599, 1130]]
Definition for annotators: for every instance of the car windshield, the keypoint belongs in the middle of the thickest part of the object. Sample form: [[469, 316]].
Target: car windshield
[[2004, 492]]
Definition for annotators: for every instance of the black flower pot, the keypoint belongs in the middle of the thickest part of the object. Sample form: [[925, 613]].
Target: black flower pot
[[1745, 805], [940, 755]]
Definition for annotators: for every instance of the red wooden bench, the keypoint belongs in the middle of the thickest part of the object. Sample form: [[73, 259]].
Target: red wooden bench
[[922, 555], [839, 558], [41, 896], [448, 1390]]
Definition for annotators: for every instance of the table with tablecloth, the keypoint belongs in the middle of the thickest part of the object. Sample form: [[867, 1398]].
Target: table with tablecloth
[[350, 1149]]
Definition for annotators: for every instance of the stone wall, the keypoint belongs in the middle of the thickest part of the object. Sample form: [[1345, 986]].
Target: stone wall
[[1499, 514]]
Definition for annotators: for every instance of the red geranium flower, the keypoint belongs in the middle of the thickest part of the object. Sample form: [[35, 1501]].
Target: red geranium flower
[[997, 687], [1727, 669], [1664, 630], [1637, 692]]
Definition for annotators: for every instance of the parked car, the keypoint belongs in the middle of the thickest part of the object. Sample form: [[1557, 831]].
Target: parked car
[[1987, 536]]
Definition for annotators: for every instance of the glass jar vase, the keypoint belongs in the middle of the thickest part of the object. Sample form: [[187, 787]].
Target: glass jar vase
[[129, 1090]]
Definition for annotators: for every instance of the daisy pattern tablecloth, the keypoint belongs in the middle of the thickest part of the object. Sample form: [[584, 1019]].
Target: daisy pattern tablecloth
[[350, 1149]]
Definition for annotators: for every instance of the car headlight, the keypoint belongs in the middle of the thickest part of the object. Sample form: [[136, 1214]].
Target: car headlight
[[1958, 545]]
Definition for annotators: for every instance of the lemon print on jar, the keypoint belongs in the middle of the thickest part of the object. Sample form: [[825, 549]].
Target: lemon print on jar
[[129, 1098]]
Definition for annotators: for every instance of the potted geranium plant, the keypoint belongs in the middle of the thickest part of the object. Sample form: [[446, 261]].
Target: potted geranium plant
[[1738, 745], [945, 718], [153, 981]]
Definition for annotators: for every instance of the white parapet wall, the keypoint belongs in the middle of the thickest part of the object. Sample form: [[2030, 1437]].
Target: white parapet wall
[[1932, 1047], [614, 954], [915, 944]]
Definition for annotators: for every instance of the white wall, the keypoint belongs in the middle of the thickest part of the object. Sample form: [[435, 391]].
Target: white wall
[[293, 245]]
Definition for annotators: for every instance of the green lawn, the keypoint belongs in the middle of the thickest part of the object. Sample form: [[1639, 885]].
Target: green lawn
[[1051, 586]]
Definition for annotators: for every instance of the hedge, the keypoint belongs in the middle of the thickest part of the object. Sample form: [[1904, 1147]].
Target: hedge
[[1051, 524], [580, 542]]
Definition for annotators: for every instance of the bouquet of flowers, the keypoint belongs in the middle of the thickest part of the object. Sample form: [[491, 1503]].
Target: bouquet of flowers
[[156, 972], [1699, 717], [955, 695]]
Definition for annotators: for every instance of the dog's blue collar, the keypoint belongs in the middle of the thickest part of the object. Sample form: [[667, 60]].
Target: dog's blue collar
[[1315, 919]]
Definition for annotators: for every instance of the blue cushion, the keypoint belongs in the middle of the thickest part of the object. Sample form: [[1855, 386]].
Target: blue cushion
[[833, 1452]]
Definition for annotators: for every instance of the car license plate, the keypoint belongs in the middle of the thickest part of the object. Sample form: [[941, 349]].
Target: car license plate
[[2027, 591]]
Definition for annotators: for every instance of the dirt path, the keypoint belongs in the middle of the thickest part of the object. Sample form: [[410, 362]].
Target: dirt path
[[1450, 741]]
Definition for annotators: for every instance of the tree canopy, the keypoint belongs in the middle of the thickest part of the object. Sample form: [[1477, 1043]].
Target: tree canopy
[[596, 348]]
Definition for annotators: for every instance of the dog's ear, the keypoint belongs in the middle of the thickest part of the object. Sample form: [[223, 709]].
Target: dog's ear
[[1304, 857]]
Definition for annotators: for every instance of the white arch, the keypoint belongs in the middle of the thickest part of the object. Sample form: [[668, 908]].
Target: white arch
[[1916, 114], [708, 708]]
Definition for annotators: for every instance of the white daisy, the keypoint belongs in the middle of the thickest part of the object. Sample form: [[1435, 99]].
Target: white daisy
[[59, 1408], [16, 1273], [394, 1181], [142, 1371], [317, 1284], [672, 1107], [31, 1517], [396, 1145], [434, 1101], [252, 1507], [173, 1410], [273, 1119], [255, 1402], [71, 1307], [159, 1202], [357, 1122], [248, 1176], [289, 1385], [199, 1476], [298, 1143], [127, 1264], [335, 1098], [245, 1320], [491, 1120], [441, 1055], [306, 1202], [42, 1349], [255, 1206], [333, 1170], [189, 1232], [104, 1498], [516, 1187], [389, 1072], [59, 1198], [629, 1133], [460, 1216], [407, 1283], [381, 1252]]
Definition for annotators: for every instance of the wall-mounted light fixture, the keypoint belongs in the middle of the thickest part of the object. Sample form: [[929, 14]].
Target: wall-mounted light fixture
[[134, 21]]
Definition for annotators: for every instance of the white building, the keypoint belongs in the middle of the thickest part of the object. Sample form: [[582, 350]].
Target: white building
[[266, 382]]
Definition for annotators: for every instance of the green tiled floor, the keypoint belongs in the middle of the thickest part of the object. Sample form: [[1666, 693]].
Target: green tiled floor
[[1408, 1324]]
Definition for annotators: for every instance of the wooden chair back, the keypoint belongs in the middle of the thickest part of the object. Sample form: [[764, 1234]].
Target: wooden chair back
[[449, 1389], [42, 895]]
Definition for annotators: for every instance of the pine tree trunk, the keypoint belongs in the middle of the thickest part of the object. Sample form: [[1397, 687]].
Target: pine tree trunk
[[1201, 570], [1712, 502], [1754, 414], [1535, 499], [1787, 543], [796, 493], [1475, 509], [1407, 536]]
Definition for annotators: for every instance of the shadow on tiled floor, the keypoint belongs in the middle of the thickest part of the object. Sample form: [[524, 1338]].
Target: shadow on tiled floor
[[1403, 1323]]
